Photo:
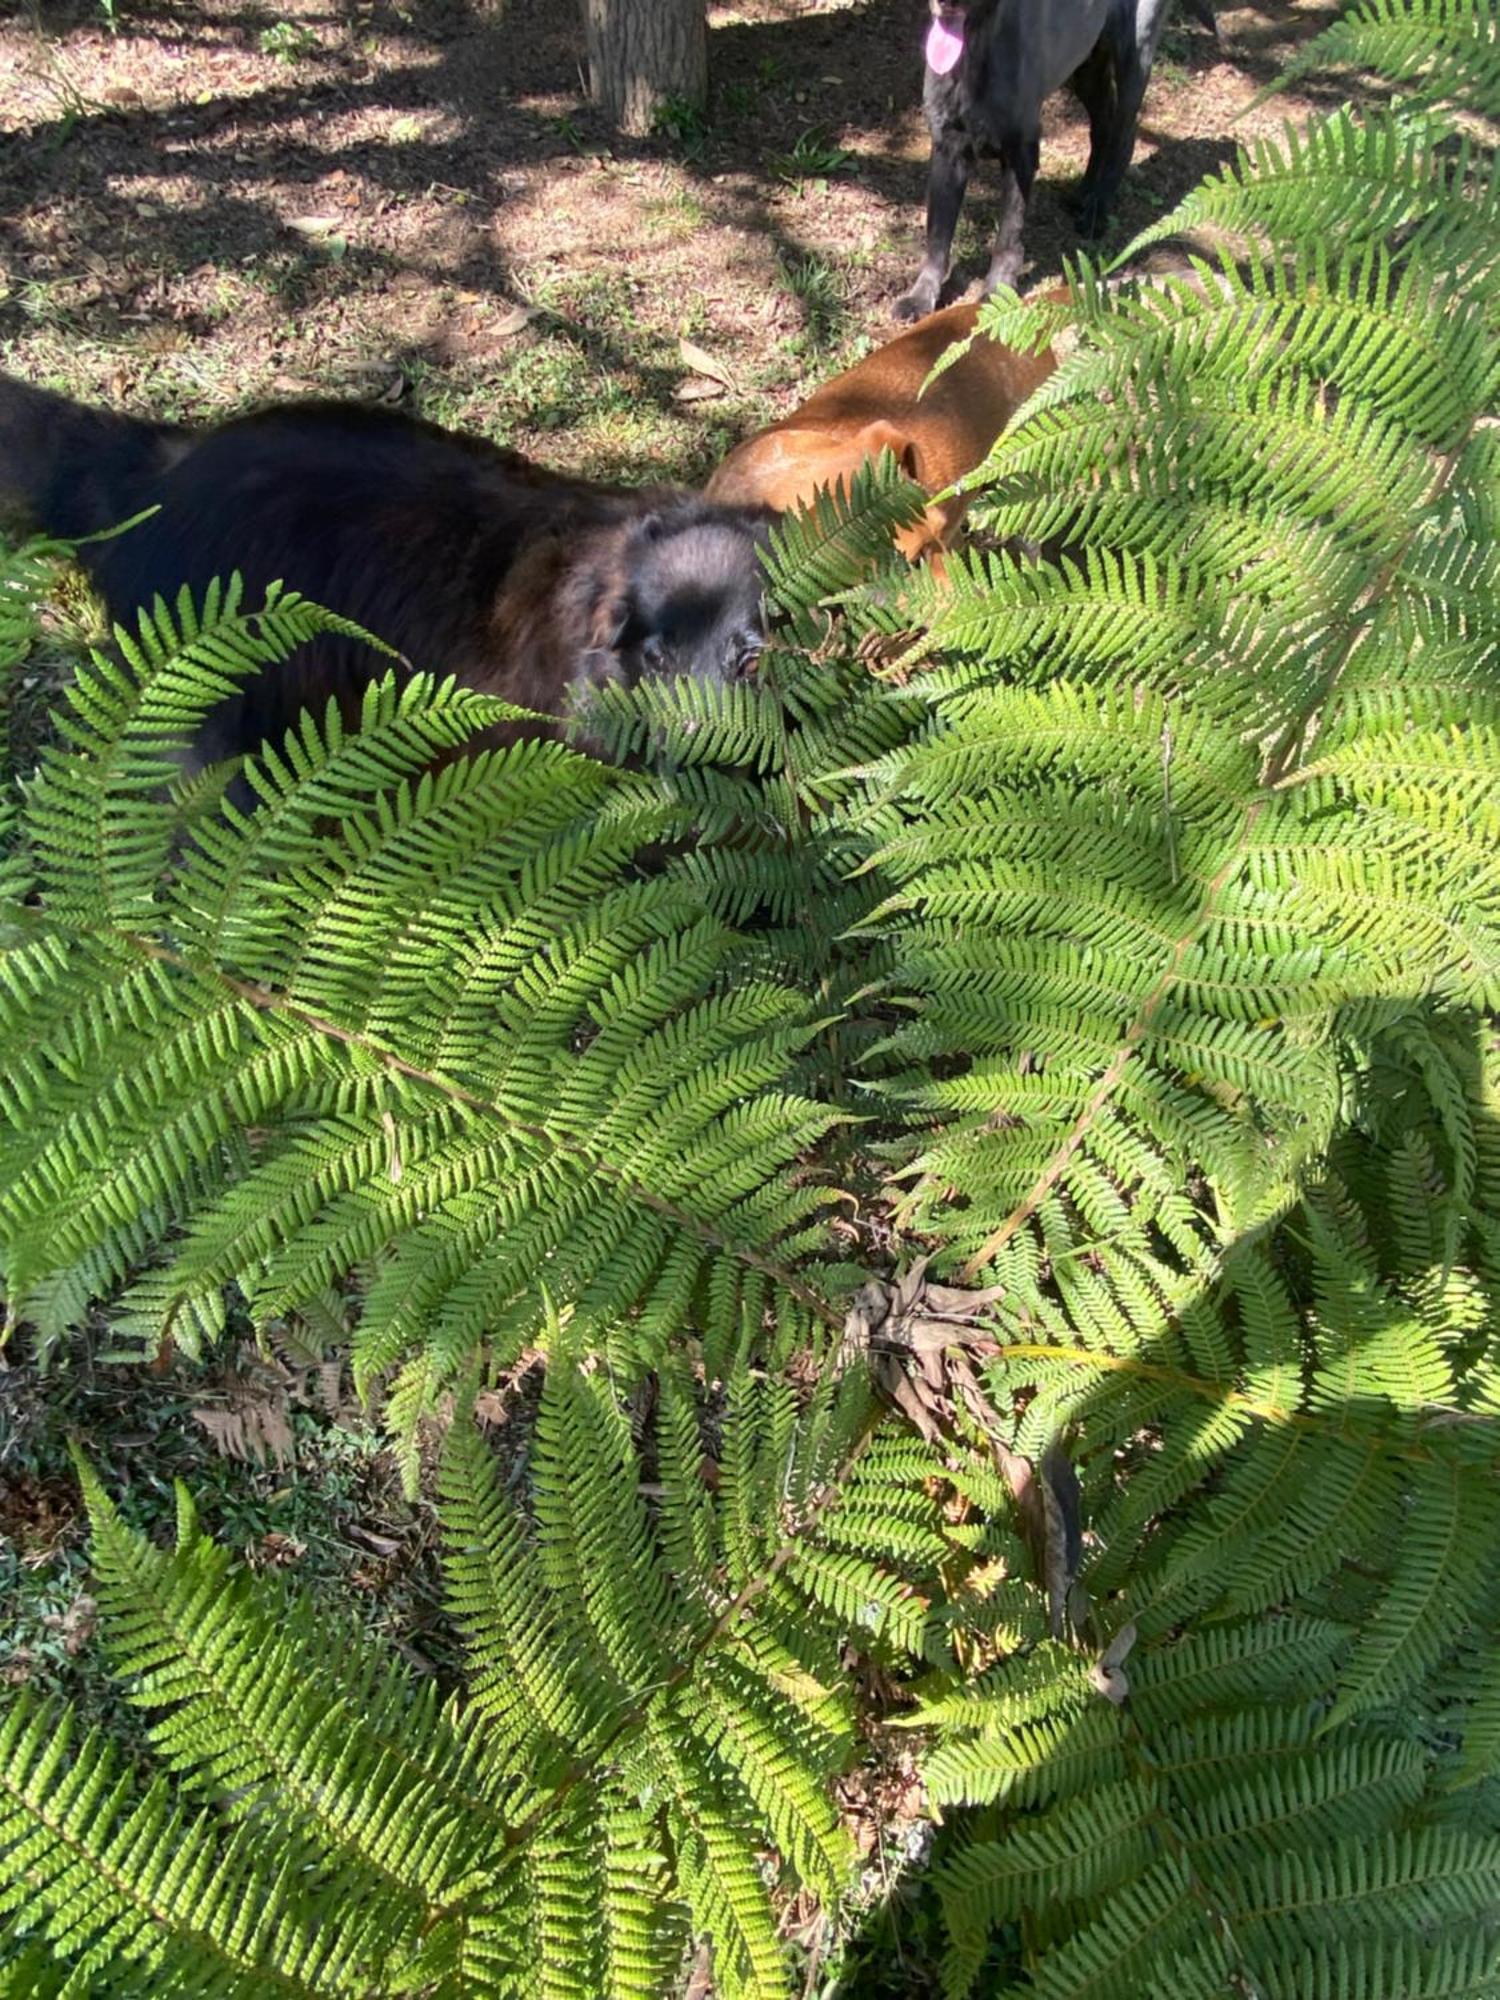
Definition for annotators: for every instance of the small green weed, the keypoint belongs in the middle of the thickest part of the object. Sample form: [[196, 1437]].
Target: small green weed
[[822, 289], [812, 159], [288, 41], [673, 215], [684, 123]]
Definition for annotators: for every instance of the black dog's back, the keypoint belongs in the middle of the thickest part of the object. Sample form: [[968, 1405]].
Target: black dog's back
[[387, 521], [73, 469]]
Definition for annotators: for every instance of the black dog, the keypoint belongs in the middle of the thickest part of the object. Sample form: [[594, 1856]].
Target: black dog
[[991, 64], [467, 558]]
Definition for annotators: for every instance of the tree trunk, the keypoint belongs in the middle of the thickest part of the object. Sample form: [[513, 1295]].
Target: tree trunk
[[644, 51]]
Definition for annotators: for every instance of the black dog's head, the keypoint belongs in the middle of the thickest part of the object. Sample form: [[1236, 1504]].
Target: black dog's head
[[680, 593]]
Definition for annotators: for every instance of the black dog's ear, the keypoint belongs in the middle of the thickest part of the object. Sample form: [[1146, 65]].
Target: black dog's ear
[[612, 622], [599, 589], [620, 634]]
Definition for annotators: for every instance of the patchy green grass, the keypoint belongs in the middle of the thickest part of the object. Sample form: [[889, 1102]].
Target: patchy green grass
[[675, 216], [330, 1516]]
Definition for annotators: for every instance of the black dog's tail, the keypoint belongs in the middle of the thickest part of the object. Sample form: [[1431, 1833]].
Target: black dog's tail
[[71, 471]]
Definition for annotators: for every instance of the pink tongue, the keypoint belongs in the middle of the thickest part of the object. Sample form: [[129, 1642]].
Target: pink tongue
[[943, 47]]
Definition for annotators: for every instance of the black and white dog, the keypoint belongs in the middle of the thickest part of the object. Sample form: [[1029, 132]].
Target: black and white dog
[[991, 64]]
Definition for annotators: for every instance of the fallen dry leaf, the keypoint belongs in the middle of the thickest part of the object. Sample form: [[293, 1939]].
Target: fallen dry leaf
[[1107, 1675], [703, 363], [75, 1625], [280, 1551], [511, 319], [253, 1426]]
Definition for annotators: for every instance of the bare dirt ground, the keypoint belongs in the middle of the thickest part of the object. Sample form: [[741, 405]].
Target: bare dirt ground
[[207, 203]]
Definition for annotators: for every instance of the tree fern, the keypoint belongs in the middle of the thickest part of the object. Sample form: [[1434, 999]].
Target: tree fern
[[654, 1701], [1118, 931]]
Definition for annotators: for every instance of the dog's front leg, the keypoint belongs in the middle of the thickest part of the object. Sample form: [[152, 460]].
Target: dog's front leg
[[947, 179], [1018, 164]]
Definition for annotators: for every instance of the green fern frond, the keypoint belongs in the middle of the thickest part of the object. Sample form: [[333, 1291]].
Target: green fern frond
[[635, 1734], [1448, 49], [827, 547], [26, 575], [263, 1723], [109, 1876], [1345, 182], [1222, 1820], [454, 1025]]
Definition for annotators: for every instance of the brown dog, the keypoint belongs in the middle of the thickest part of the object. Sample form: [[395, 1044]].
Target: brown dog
[[938, 437]]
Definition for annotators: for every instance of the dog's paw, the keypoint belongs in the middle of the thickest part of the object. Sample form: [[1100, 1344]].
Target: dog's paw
[[1001, 277], [915, 304]]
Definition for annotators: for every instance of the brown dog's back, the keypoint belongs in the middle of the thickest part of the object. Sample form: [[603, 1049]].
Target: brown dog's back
[[877, 404]]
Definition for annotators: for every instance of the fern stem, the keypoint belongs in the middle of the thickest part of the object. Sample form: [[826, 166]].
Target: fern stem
[[754, 1587], [1134, 1035]]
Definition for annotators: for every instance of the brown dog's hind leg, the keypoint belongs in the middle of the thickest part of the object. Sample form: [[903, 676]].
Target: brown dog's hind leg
[[947, 179]]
